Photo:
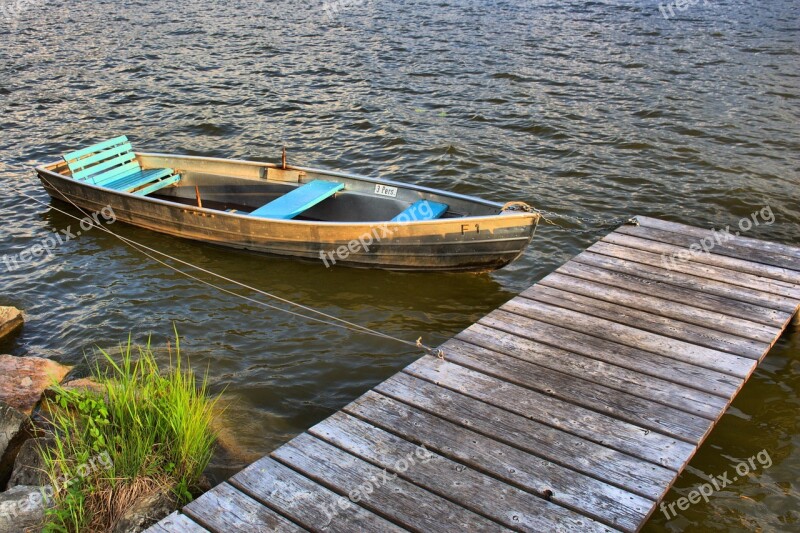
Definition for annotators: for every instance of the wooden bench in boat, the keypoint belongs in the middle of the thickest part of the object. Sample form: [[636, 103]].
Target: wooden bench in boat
[[112, 164], [295, 202], [421, 210]]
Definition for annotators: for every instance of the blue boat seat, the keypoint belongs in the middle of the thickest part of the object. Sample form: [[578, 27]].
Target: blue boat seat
[[295, 202], [112, 164], [421, 210]]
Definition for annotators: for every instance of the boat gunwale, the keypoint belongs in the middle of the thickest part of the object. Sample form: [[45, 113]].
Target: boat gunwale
[[246, 216]]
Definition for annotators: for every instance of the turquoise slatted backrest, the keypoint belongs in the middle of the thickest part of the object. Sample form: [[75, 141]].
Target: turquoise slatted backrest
[[103, 162]]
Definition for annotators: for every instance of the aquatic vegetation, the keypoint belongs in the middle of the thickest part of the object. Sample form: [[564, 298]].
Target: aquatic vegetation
[[143, 431]]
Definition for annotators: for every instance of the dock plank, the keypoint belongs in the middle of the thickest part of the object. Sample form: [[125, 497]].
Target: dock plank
[[224, 508], [752, 254], [719, 287], [732, 263], [709, 319], [403, 503], [597, 427], [600, 462], [508, 505], [612, 353], [501, 346], [734, 365], [739, 240], [726, 342], [700, 270], [306, 502], [596, 499], [621, 405], [753, 313]]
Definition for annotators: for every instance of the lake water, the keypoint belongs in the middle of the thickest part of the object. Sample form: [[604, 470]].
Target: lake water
[[599, 110]]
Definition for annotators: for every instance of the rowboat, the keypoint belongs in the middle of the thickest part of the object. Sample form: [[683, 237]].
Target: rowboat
[[330, 217]]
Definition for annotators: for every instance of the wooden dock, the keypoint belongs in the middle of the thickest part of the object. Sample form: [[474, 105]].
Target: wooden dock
[[573, 407]]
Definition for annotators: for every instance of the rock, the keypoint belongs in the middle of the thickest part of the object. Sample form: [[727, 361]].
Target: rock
[[146, 511], [10, 321], [29, 467], [22, 509], [24, 379], [15, 428], [77, 385]]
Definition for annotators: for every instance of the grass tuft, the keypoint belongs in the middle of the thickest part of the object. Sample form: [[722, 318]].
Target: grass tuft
[[147, 431]]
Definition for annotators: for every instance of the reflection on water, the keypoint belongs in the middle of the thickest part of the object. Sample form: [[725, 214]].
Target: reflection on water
[[597, 110]]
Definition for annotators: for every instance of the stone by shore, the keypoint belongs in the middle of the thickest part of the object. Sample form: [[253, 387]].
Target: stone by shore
[[10, 321]]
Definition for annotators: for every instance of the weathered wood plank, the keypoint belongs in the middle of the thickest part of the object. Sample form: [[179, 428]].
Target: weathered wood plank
[[753, 313], [605, 464], [644, 413], [641, 385], [398, 500], [709, 319], [720, 248], [176, 523], [309, 504], [598, 500], [591, 425], [605, 329], [740, 265], [719, 287], [734, 277], [508, 505], [638, 361], [700, 233], [224, 508], [559, 295]]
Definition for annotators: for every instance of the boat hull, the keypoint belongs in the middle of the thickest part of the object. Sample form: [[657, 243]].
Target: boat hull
[[479, 243]]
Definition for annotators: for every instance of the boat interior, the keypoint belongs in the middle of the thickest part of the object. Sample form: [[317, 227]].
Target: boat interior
[[261, 189]]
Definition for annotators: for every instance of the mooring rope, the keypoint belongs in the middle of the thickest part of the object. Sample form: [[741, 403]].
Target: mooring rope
[[327, 318]]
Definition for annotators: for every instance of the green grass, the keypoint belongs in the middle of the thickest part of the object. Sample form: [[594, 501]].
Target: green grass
[[150, 430]]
